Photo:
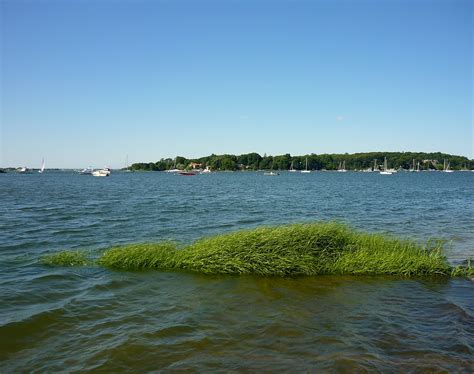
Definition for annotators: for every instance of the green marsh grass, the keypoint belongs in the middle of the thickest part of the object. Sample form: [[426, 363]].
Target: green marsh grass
[[141, 256], [66, 258], [298, 249]]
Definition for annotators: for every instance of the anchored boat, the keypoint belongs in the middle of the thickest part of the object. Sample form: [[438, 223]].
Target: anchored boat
[[105, 172], [385, 171], [306, 169]]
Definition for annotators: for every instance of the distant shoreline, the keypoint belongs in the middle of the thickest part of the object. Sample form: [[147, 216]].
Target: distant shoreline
[[354, 162]]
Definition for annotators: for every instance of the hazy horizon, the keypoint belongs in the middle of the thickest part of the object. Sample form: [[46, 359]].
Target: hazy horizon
[[88, 83], [201, 156]]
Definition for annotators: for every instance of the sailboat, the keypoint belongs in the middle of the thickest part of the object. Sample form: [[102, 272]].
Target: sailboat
[[292, 170], [464, 168], [342, 167], [127, 166], [174, 170], [372, 169], [306, 170], [446, 168], [42, 167], [385, 171]]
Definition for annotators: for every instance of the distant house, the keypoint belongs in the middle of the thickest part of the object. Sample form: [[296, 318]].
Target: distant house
[[195, 165]]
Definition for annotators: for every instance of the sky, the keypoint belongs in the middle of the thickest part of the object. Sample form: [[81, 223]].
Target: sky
[[88, 82]]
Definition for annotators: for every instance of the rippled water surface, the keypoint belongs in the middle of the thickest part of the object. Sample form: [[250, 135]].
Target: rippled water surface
[[90, 318]]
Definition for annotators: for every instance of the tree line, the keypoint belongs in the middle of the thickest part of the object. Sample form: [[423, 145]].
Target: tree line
[[355, 161]]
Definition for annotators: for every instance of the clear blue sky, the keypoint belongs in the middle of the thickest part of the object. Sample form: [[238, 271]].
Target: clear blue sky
[[88, 82]]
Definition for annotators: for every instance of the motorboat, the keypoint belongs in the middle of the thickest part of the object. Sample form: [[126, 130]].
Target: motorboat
[[271, 173], [105, 172], [87, 171]]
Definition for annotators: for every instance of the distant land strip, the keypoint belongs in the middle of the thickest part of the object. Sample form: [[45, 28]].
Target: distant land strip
[[354, 161]]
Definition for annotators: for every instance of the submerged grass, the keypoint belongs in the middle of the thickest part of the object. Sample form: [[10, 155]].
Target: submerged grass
[[299, 249], [66, 258]]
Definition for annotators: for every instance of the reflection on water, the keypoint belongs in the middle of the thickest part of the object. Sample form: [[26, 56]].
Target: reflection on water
[[79, 319]]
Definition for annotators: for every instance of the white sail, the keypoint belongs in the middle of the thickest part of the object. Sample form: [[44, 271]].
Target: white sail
[[42, 167]]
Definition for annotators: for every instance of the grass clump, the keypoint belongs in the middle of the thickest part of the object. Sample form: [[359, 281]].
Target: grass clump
[[141, 256], [283, 250], [299, 249], [466, 270], [379, 254], [66, 258]]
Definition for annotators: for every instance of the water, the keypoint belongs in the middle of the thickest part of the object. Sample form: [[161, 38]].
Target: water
[[91, 318]]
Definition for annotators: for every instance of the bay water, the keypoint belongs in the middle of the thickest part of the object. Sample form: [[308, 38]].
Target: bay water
[[96, 319]]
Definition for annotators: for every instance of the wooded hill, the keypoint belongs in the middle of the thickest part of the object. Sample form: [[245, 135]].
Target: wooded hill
[[355, 161]]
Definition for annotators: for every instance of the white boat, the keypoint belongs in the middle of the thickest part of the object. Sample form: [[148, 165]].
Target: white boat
[[42, 167], [306, 169], [271, 173], [342, 167], [105, 172], [385, 171], [415, 169], [174, 169], [292, 170], [376, 167], [207, 170], [446, 168], [87, 171], [464, 168], [23, 169]]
